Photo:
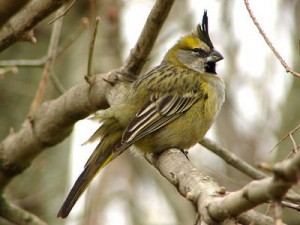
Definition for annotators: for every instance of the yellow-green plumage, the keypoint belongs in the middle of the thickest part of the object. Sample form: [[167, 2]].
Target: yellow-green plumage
[[172, 106]]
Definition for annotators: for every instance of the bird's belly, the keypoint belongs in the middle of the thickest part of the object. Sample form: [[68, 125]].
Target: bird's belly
[[189, 128], [182, 133]]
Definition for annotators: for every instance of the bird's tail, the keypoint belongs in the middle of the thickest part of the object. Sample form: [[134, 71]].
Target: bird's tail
[[102, 155]]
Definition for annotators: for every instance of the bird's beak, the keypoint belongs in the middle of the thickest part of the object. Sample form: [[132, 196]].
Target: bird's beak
[[215, 56]]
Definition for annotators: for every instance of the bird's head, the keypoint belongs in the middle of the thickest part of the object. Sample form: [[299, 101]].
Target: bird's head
[[195, 50]]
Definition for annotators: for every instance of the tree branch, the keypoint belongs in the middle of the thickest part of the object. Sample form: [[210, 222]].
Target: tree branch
[[26, 19], [16, 215], [232, 159], [246, 168], [63, 12], [138, 55], [41, 61], [286, 174], [50, 124], [213, 205], [9, 8], [205, 193], [91, 48]]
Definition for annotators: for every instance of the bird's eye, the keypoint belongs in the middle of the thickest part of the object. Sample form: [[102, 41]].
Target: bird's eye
[[200, 52]]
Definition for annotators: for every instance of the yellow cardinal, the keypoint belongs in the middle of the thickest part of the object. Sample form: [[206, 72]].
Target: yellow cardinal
[[171, 106]]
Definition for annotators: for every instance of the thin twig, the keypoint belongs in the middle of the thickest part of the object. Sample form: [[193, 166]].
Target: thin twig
[[269, 43], [294, 149], [232, 159], [49, 64], [285, 136], [41, 61], [291, 205], [24, 62], [278, 212], [91, 49], [294, 143], [57, 84], [64, 13]]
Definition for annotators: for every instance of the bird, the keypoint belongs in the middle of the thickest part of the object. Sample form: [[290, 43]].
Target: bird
[[171, 106]]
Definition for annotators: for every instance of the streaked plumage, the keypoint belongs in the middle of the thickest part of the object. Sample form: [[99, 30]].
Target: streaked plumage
[[172, 106]]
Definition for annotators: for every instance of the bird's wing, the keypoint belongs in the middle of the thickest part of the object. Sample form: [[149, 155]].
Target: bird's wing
[[156, 113]]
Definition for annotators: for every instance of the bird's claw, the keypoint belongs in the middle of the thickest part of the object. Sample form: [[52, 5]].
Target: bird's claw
[[185, 152]]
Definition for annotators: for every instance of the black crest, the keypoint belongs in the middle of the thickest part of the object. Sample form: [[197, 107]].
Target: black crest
[[203, 30]]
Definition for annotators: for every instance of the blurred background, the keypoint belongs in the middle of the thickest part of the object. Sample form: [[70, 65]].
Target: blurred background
[[262, 105]]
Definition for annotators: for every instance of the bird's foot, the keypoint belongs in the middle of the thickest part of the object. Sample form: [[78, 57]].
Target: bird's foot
[[185, 152]]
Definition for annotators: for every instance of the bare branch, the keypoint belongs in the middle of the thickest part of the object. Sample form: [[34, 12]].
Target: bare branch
[[278, 213], [203, 191], [232, 159], [41, 61], [26, 19], [295, 149], [291, 205], [52, 49], [140, 52], [24, 62], [250, 196], [50, 124], [9, 8], [91, 49], [16, 215], [244, 167], [269, 43], [286, 174], [252, 217], [285, 136], [63, 13]]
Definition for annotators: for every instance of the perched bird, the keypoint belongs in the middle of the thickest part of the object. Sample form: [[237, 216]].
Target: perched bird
[[171, 106]]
